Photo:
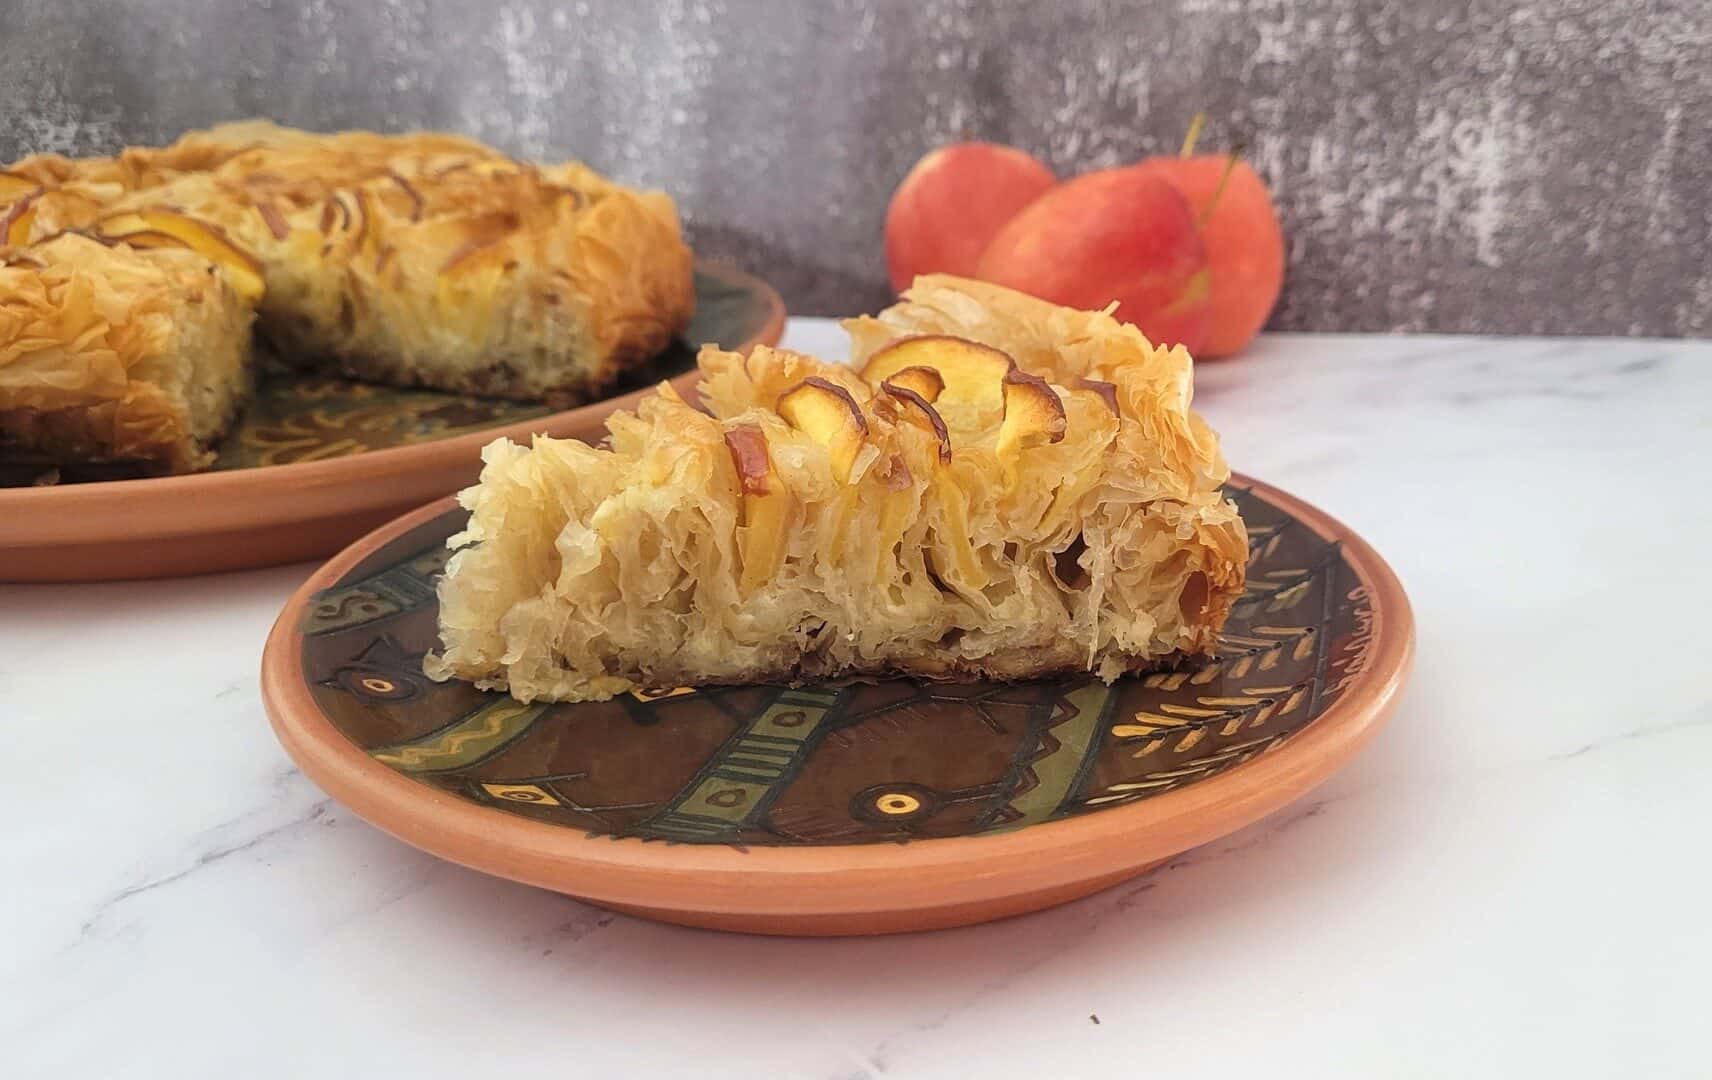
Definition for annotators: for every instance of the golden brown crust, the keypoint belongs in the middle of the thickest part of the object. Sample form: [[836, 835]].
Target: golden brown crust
[[1031, 531], [109, 354], [432, 260], [417, 260], [632, 306], [1176, 451]]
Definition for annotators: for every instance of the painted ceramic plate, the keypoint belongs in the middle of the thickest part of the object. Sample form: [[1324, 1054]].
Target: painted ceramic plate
[[316, 463], [838, 809]]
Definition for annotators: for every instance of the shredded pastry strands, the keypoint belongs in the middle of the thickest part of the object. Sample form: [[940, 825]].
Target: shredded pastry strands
[[936, 510]]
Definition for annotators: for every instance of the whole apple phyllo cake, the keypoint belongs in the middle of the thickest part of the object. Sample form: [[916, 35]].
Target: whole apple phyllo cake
[[997, 487], [130, 285]]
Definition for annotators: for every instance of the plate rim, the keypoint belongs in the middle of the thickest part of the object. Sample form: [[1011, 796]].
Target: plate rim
[[852, 879], [267, 494]]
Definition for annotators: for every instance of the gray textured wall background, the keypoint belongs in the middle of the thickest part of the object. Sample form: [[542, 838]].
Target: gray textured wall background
[[1496, 165]]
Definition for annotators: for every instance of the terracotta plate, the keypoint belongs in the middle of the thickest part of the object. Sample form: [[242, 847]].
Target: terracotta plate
[[838, 809], [317, 462]]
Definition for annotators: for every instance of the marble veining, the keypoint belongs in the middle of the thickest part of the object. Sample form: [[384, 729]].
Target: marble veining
[[212, 853], [1506, 882]]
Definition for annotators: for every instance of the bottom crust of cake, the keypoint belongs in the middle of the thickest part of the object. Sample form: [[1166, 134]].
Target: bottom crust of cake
[[961, 670], [1014, 667], [80, 446]]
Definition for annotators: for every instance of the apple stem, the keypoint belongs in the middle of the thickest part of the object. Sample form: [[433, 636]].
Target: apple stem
[[1189, 140], [1231, 159]]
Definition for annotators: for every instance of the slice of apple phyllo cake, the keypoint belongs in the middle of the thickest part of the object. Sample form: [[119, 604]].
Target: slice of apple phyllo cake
[[996, 488]]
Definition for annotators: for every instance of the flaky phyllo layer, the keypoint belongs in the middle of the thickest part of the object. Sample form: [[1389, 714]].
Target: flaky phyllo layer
[[996, 487], [410, 260], [118, 353], [420, 259]]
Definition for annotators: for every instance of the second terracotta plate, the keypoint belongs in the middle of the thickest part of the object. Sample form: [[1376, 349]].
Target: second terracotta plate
[[317, 462], [838, 809]]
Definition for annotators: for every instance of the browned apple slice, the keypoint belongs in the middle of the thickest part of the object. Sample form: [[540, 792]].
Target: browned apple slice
[[15, 224], [410, 192], [356, 209], [971, 374], [926, 381], [766, 505], [748, 446], [273, 219], [1034, 415], [1108, 392], [332, 211], [347, 212], [916, 406], [363, 214], [243, 270], [826, 413]]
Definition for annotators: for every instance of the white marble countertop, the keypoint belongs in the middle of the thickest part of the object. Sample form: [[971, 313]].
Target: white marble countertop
[[1512, 880]]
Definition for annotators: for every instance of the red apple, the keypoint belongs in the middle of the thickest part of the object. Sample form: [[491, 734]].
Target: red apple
[[1245, 244], [952, 203], [1116, 234]]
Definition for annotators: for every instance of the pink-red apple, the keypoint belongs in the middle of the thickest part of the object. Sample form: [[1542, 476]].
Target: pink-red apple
[[951, 205], [1117, 234], [1244, 242]]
